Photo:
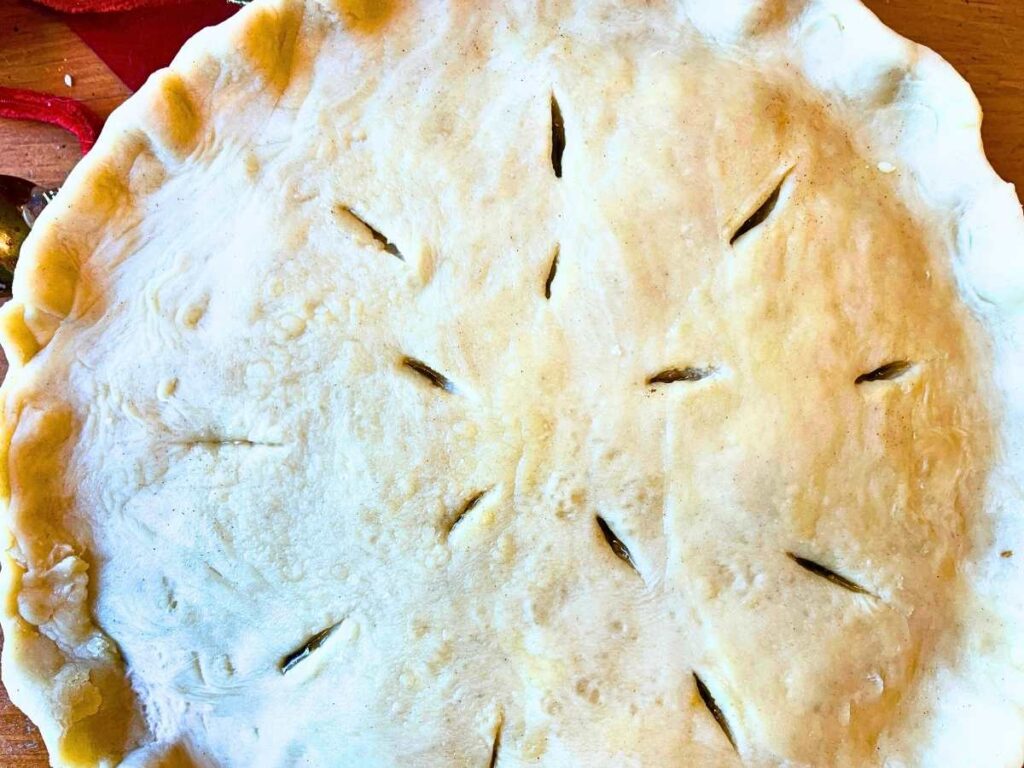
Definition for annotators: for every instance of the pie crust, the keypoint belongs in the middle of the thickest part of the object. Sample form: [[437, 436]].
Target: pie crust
[[561, 384]]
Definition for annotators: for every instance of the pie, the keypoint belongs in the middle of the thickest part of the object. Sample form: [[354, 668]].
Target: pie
[[558, 384]]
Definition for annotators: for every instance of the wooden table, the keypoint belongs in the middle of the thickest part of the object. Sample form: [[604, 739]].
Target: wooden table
[[984, 39]]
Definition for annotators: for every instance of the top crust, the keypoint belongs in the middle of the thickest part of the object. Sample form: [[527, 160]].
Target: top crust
[[346, 425]]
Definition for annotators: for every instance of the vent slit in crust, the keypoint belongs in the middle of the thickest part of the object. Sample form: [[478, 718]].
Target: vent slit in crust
[[496, 745], [385, 243], [436, 379], [551, 273], [673, 375], [887, 372], [760, 216], [828, 574], [615, 544], [557, 137], [226, 442], [471, 503], [303, 652], [714, 709]]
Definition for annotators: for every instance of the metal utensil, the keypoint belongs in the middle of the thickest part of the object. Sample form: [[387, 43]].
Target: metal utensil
[[21, 202]]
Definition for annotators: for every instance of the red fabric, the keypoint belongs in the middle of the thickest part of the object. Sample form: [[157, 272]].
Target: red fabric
[[69, 114], [133, 37], [101, 6], [136, 43]]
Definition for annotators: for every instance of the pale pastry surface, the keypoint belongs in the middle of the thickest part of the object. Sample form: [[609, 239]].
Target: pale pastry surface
[[527, 384]]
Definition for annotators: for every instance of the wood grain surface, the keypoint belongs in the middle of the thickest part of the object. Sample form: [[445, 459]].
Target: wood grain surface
[[983, 39], [36, 52]]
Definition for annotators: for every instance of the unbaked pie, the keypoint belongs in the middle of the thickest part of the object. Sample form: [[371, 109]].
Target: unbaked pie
[[558, 384]]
